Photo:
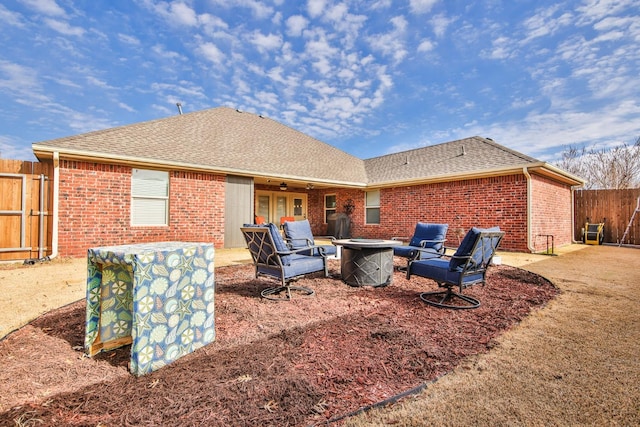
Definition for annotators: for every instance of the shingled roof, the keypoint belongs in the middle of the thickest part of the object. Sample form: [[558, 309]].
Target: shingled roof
[[219, 139], [470, 157], [229, 141]]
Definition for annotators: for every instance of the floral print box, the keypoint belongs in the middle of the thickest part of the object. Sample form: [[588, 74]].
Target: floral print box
[[158, 297]]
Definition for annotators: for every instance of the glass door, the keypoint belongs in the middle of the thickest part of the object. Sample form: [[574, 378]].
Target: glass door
[[299, 207], [263, 209], [274, 205]]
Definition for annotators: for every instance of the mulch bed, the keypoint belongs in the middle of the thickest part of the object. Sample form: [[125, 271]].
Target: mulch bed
[[304, 362]]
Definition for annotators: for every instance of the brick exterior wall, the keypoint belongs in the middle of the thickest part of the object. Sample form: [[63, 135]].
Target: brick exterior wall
[[551, 213], [95, 208], [483, 202]]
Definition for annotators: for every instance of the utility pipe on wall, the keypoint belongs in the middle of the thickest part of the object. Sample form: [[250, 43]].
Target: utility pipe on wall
[[41, 214], [56, 189], [525, 171], [573, 213]]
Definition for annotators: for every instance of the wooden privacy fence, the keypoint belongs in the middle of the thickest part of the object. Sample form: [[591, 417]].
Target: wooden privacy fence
[[613, 207], [25, 210]]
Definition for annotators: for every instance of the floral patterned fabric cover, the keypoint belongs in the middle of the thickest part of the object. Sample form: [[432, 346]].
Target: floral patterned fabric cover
[[159, 294]]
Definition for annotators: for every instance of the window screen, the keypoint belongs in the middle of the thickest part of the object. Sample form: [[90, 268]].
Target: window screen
[[372, 207], [149, 197]]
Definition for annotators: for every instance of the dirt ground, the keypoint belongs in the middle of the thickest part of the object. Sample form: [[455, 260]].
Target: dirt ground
[[573, 361]]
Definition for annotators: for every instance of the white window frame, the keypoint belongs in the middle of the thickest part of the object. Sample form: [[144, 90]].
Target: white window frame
[[149, 198], [368, 205], [330, 208]]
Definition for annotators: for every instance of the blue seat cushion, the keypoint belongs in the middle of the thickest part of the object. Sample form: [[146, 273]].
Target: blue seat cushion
[[299, 235], [297, 266], [466, 246], [428, 231], [303, 264], [281, 245], [438, 270]]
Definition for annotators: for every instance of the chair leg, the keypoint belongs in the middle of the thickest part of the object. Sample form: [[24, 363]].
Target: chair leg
[[445, 299]]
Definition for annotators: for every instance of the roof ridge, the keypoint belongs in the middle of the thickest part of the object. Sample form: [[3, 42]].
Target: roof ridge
[[506, 149]]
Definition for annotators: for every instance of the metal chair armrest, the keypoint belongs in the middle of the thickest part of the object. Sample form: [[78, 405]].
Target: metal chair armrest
[[425, 241]]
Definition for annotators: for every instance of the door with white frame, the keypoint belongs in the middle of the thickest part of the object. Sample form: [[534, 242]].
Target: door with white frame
[[273, 205]]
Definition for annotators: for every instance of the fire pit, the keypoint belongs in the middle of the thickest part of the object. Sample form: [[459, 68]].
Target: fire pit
[[367, 262]]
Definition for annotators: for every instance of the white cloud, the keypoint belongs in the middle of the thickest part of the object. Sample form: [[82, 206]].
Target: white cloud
[[440, 23], [64, 27], [296, 24], [614, 22], [258, 8], [267, 98], [22, 82], [13, 149], [393, 43], [502, 48], [185, 90], [183, 14], [315, 7], [240, 86], [65, 82], [320, 46], [422, 6], [275, 74], [609, 36], [131, 40], [94, 81], [544, 23], [126, 107], [211, 23], [163, 53], [265, 42], [381, 4], [46, 7], [175, 13], [322, 88], [211, 52], [540, 134], [11, 18], [426, 46], [595, 10]]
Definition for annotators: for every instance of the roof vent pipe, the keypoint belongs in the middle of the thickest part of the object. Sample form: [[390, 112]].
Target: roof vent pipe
[[179, 105], [463, 152]]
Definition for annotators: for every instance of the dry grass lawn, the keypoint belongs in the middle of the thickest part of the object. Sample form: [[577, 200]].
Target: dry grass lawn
[[574, 362]]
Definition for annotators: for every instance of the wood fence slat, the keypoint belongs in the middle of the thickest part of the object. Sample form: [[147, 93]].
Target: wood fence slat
[[614, 207], [11, 201]]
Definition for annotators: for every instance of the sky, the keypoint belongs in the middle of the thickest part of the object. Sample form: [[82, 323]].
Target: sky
[[368, 77]]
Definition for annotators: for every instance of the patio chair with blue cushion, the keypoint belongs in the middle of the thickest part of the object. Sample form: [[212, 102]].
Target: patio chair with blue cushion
[[272, 257], [299, 236], [427, 242], [468, 266]]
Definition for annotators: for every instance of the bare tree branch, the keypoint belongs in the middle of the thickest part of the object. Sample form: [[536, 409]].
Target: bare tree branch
[[614, 168]]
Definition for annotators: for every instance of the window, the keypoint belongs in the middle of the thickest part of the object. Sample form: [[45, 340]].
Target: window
[[372, 207], [329, 206], [149, 197]]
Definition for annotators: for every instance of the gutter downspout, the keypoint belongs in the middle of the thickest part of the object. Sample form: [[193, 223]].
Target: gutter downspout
[[573, 213], [525, 171], [56, 192]]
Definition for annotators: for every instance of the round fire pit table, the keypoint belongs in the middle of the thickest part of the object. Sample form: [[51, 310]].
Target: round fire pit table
[[367, 262]]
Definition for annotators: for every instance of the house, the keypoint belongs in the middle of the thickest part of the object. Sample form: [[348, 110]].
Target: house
[[199, 176]]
